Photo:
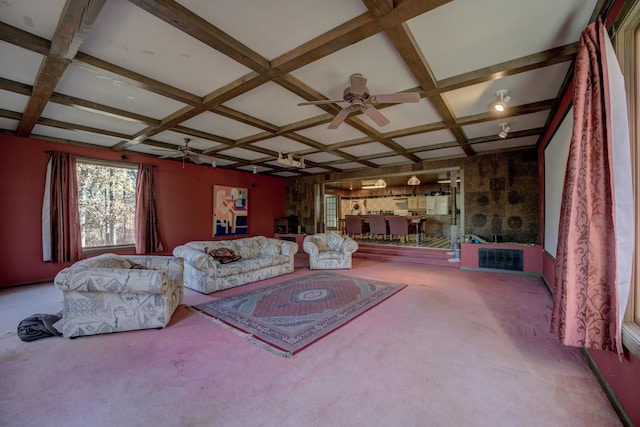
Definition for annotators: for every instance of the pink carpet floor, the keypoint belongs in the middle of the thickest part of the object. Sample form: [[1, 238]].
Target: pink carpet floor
[[454, 348]]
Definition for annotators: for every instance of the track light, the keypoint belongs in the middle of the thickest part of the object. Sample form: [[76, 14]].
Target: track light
[[501, 104], [413, 181], [505, 130]]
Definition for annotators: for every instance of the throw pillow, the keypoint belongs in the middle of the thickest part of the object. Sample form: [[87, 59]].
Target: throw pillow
[[223, 255], [138, 267]]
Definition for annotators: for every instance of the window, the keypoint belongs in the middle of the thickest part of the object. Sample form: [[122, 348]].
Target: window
[[627, 45], [331, 211], [107, 203]]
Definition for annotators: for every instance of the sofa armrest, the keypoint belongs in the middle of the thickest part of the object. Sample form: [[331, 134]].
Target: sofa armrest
[[289, 248], [195, 258], [173, 266], [309, 246], [113, 280], [349, 246]]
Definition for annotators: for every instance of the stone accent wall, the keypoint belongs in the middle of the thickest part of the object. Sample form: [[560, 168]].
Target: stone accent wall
[[501, 196], [500, 193]]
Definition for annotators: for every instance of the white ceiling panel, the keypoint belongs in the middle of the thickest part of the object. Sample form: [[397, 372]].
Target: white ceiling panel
[[13, 101], [132, 38], [281, 144], [500, 145], [242, 153], [85, 83], [348, 166], [425, 139], [274, 104], [366, 149], [9, 124], [322, 157], [331, 136], [87, 118], [483, 33], [273, 32], [220, 125], [389, 160], [516, 123], [405, 115], [75, 136], [22, 67], [177, 138], [34, 16], [441, 153]]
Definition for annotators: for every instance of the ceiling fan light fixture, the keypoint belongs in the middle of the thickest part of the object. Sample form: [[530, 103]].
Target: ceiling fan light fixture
[[505, 130], [500, 104], [413, 181]]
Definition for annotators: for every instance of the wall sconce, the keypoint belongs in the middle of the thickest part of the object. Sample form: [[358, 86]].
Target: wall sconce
[[501, 103], [505, 130], [214, 163], [413, 181], [255, 170]]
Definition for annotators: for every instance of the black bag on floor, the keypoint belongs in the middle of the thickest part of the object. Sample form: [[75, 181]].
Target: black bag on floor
[[38, 326]]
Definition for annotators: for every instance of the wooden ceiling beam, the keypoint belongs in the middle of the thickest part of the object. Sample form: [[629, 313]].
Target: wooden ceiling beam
[[75, 22]]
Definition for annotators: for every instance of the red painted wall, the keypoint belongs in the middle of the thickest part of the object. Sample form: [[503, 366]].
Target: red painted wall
[[184, 197]]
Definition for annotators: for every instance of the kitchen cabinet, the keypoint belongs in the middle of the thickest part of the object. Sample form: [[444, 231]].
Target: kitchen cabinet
[[438, 205]]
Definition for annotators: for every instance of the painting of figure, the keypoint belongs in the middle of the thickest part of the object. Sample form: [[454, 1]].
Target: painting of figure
[[230, 208]]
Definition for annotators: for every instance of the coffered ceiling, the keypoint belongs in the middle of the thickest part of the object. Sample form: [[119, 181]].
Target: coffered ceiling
[[142, 76]]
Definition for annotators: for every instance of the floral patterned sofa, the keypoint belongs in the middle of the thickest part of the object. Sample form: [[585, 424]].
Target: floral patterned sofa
[[112, 293], [329, 250], [260, 258]]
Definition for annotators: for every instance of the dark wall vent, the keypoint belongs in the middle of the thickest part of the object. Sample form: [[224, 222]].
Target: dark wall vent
[[501, 259]]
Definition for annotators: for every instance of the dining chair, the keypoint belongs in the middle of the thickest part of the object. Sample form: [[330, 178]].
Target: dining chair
[[377, 226], [399, 226], [355, 225]]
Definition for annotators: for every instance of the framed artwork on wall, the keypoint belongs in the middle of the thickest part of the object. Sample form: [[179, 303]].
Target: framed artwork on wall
[[230, 211]]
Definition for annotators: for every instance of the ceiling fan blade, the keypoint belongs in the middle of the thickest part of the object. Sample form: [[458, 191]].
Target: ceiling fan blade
[[395, 98], [375, 115], [170, 156], [358, 84], [339, 118], [195, 158], [324, 101]]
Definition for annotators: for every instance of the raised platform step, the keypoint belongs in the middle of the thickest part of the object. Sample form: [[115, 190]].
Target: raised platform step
[[406, 255]]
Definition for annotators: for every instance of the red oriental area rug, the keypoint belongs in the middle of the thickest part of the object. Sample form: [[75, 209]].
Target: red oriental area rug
[[288, 316]]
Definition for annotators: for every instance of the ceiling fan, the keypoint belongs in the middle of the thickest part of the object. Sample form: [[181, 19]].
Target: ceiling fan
[[186, 152], [359, 98]]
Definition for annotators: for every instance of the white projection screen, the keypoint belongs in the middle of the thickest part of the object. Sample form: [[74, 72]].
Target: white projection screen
[[555, 165]]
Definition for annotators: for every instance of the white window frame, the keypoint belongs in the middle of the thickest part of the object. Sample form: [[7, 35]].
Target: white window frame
[[113, 164], [627, 46]]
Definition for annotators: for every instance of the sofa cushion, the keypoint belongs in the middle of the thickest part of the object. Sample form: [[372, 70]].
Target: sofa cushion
[[105, 261], [271, 247], [335, 241], [248, 248]]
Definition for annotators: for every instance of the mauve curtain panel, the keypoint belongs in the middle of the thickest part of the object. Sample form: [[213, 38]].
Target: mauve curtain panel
[[595, 236], [147, 229], [61, 202]]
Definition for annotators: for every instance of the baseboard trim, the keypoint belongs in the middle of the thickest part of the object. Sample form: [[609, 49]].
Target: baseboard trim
[[622, 414], [34, 282]]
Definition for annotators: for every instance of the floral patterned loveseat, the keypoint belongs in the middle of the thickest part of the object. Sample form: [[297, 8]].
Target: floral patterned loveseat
[[113, 293], [328, 251], [260, 258]]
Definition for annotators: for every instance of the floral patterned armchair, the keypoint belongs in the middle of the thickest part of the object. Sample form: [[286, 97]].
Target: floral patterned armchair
[[329, 251], [112, 293]]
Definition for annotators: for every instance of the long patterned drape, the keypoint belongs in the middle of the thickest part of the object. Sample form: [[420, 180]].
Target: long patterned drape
[[147, 230], [595, 238], [61, 219]]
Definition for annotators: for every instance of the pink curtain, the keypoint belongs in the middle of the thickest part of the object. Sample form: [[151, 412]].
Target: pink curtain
[[593, 264], [147, 230], [65, 240]]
